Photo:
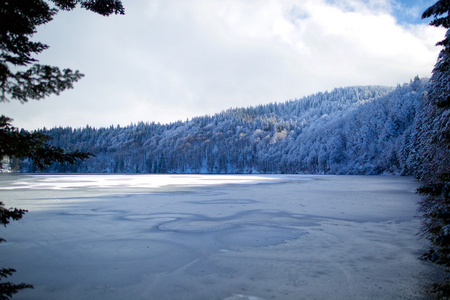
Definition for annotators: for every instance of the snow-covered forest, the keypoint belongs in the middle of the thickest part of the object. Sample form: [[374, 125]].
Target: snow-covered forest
[[352, 130]]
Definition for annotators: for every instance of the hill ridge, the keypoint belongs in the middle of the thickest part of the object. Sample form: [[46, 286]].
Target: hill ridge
[[350, 130]]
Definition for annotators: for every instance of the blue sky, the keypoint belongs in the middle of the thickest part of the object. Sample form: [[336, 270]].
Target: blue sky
[[169, 60], [406, 11]]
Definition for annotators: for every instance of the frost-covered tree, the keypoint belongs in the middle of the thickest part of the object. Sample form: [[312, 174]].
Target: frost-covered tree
[[353, 130], [435, 126], [434, 151]]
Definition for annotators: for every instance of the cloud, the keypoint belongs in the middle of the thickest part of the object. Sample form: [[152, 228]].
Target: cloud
[[170, 60]]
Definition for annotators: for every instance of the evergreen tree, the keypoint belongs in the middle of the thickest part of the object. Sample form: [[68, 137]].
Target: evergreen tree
[[22, 79], [7, 289], [434, 167]]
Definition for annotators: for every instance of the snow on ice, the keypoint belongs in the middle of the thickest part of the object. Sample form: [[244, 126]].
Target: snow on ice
[[214, 237]]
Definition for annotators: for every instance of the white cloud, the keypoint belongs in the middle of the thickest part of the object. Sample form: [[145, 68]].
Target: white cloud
[[169, 60]]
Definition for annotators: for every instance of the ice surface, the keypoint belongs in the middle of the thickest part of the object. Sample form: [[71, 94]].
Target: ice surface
[[62, 182], [214, 237]]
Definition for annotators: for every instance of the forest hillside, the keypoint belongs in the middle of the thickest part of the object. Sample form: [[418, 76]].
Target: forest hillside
[[352, 130]]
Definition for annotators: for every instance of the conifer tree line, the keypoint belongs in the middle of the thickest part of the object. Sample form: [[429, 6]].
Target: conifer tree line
[[355, 130]]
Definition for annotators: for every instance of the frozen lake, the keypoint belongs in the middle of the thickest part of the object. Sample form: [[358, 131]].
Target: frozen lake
[[214, 237]]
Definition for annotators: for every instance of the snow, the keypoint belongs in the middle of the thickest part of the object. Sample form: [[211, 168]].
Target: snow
[[214, 237], [61, 182], [355, 130]]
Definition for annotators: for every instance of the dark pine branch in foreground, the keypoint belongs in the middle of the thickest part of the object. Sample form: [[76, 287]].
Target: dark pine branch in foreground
[[22, 79]]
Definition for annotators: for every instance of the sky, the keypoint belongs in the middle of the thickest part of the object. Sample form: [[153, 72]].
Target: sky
[[170, 60]]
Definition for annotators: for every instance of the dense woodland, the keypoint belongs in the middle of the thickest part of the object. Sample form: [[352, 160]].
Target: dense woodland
[[353, 130]]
